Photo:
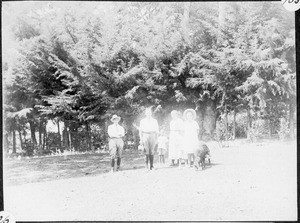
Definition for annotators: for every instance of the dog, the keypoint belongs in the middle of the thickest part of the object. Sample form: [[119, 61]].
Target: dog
[[200, 154]]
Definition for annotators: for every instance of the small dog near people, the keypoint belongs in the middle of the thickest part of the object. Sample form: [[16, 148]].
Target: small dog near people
[[201, 153]]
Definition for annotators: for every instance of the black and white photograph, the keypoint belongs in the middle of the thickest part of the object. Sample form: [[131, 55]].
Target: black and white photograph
[[149, 111]]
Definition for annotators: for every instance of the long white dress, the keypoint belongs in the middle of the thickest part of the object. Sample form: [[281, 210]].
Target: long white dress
[[175, 139], [190, 137]]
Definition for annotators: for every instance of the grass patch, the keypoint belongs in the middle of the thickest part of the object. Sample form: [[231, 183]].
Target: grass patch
[[39, 169]]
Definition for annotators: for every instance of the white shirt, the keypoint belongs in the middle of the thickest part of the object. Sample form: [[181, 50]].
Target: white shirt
[[191, 130], [176, 125], [149, 125], [115, 131], [162, 142]]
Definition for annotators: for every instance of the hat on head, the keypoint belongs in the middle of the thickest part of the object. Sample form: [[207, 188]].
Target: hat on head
[[190, 110], [115, 117]]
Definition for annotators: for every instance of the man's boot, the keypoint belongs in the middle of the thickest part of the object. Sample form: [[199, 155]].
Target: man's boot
[[118, 163], [112, 165]]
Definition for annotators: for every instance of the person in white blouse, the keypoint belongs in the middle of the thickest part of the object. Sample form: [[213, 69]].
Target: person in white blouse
[[175, 142], [148, 132], [190, 136], [116, 143]]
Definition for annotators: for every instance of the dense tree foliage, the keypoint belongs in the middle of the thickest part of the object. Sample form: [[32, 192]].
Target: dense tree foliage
[[80, 62]]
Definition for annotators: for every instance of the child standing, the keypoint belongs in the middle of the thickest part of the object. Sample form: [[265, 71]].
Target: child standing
[[162, 147], [175, 137], [190, 138]]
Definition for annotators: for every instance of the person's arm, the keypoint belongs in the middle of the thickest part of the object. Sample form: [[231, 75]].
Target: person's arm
[[156, 130], [122, 132], [109, 131]]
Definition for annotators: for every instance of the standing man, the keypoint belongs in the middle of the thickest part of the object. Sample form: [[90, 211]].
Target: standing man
[[148, 131], [115, 132]]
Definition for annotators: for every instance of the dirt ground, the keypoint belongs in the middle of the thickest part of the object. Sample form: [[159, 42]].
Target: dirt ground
[[246, 182]]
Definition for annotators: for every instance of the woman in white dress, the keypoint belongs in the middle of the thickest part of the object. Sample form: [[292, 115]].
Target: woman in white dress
[[190, 137], [175, 137]]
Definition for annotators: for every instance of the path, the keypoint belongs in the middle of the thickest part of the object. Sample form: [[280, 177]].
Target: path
[[244, 183]]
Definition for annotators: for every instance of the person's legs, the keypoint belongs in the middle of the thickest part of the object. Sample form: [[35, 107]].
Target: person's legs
[[146, 160], [120, 145], [180, 162], [152, 144], [172, 162], [112, 150], [112, 163], [151, 157], [163, 159], [145, 142], [118, 163], [190, 159]]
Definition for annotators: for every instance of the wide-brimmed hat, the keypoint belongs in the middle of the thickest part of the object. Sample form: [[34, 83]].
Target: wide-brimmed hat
[[115, 117], [190, 110]]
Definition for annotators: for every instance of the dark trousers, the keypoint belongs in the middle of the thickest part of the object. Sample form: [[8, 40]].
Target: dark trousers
[[149, 158], [118, 162]]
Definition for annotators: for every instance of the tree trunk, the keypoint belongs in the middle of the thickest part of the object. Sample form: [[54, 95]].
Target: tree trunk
[[20, 137], [221, 19], [40, 133], [88, 138], [65, 137], [270, 128], [70, 139], [226, 123], [32, 131], [6, 143], [248, 123], [69, 136], [234, 124], [14, 142], [201, 114], [292, 120], [45, 137], [185, 22], [58, 131], [209, 119]]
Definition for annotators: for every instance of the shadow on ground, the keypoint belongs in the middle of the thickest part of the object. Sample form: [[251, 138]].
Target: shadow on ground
[[17, 172]]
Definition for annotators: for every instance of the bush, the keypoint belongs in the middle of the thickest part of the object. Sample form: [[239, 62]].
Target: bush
[[259, 129], [240, 128], [28, 148], [283, 132]]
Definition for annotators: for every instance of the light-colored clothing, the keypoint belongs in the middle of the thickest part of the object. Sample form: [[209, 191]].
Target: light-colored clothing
[[175, 140], [116, 144], [148, 132], [149, 125], [115, 147], [115, 131], [190, 137], [162, 145], [149, 142]]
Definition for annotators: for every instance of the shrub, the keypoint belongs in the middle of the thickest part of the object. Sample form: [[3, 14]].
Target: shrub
[[28, 148], [240, 128], [283, 129]]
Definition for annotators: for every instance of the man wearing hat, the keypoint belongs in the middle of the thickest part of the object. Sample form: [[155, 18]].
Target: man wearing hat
[[115, 132]]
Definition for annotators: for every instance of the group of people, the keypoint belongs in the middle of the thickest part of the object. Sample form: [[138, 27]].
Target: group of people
[[180, 145]]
